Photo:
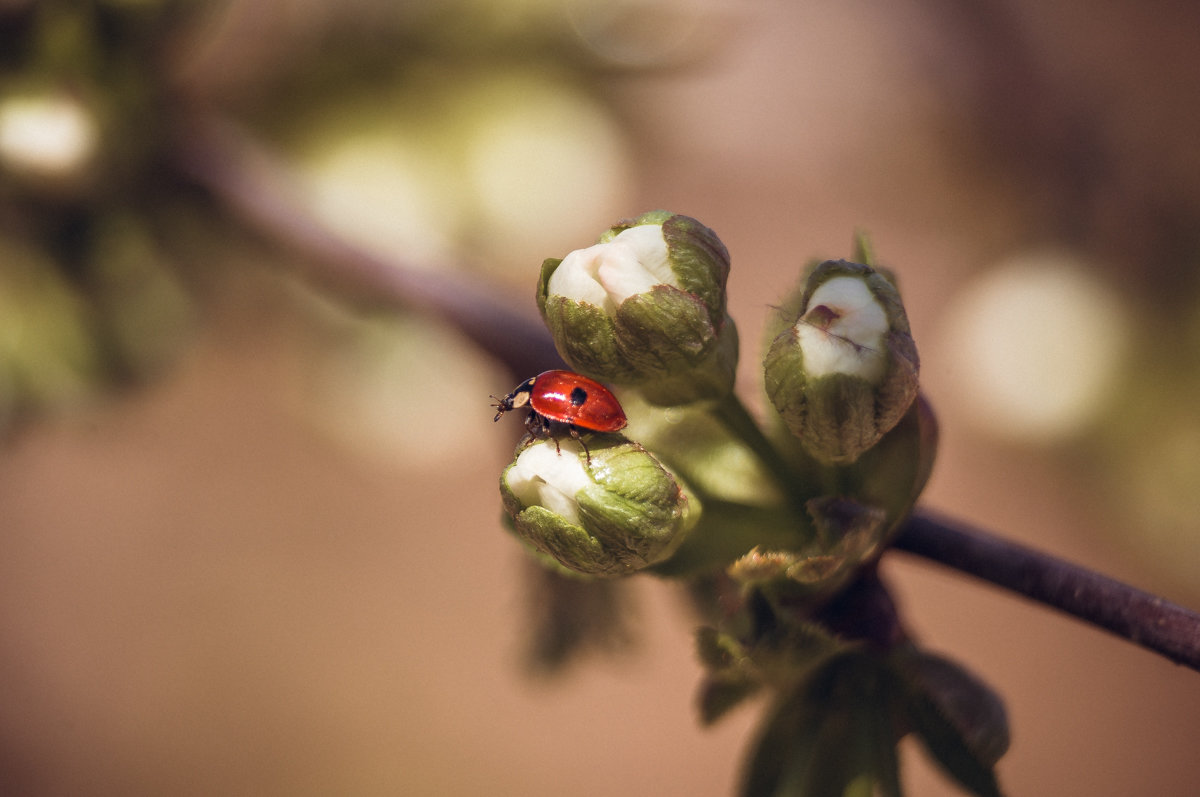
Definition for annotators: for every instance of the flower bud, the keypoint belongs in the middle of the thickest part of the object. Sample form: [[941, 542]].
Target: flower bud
[[645, 307], [622, 513], [845, 372]]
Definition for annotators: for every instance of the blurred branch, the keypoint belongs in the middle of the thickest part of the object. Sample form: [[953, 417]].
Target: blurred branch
[[1128, 612], [257, 190]]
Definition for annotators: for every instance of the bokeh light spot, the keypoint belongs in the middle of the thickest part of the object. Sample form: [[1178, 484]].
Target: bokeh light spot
[[385, 194], [49, 135], [1035, 345], [641, 33], [546, 163]]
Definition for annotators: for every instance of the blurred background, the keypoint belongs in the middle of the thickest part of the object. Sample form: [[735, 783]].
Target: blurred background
[[249, 527]]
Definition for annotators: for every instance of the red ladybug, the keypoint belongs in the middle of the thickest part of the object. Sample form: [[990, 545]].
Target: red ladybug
[[563, 401]]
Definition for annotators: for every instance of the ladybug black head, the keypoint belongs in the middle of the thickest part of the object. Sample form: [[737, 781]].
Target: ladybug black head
[[514, 400]]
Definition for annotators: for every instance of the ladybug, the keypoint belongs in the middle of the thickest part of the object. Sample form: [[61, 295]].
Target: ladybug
[[564, 402]]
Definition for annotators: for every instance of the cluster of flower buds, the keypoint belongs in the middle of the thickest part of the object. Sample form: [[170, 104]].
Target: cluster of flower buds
[[644, 309], [784, 530]]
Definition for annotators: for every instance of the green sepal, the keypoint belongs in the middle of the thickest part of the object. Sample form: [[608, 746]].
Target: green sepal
[[663, 330], [649, 217], [893, 472], [543, 286], [787, 311], [567, 544], [863, 250], [834, 416], [700, 261], [636, 508], [710, 375]]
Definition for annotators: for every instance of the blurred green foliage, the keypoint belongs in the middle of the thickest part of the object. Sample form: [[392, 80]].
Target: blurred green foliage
[[110, 253]]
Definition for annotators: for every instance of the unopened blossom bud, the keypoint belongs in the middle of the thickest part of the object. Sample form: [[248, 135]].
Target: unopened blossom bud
[[845, 371], [623, 512], [645, 308]]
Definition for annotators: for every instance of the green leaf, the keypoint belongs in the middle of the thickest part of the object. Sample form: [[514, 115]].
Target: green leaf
[[967, 702], [720, 694], [732, 676], [946, 744], [831, 736], [718, 651], [785, 749], [959, 719]]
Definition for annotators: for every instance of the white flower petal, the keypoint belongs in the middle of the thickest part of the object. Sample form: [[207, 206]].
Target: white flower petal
[[575, 277], [543, 477], [607, 274], [650, 248], [853, 343], [622, 274]]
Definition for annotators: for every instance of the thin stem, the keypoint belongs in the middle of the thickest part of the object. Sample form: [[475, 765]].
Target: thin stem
[[1140, 617], [732, 413], [791, 478]]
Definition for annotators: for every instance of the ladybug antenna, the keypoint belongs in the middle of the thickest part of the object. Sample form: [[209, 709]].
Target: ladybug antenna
[[500, 405]]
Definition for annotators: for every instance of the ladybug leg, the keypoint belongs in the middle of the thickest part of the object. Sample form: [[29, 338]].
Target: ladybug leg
[[575, 434], [538, 427]]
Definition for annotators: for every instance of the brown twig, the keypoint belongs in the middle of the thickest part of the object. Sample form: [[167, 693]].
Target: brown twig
[[257, 191], [1128, 612], [261, 193]]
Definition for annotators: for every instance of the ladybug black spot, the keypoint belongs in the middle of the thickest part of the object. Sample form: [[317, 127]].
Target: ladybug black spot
[[578, 396]]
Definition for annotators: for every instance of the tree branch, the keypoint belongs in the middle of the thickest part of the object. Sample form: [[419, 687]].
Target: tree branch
[[257, 191], [1140, 617]]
